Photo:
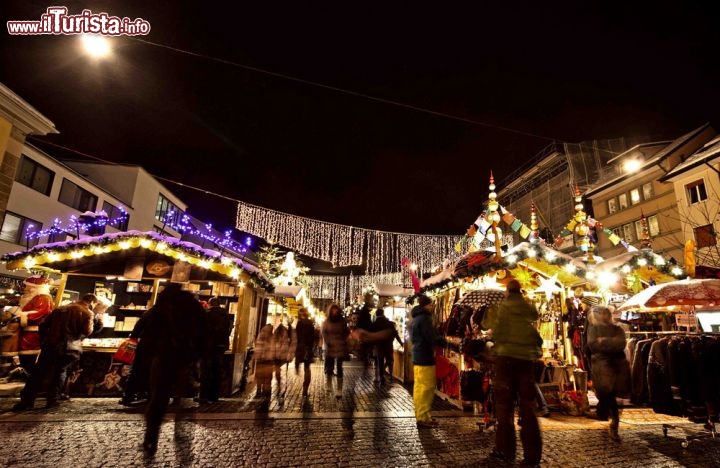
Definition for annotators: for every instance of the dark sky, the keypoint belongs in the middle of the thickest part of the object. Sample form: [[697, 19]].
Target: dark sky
[[573, 72]]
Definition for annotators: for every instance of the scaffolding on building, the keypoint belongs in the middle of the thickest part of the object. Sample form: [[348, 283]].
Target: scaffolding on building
[[549, 178]]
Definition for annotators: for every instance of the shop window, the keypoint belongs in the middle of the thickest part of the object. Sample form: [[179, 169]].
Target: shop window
[[622, 201], [705, 236], [696, 191], [635, 196], [647, 190], [167, 212], [638, 230], [16, 229], [627, 231], [117, 217], [618, 232], [77, 197], [612, 205], [35, 176]]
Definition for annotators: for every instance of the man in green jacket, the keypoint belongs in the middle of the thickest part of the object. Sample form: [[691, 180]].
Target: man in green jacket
[[517, 345]]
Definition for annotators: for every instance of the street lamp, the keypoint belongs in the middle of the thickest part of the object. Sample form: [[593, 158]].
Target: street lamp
[[632, 165], [95, 46]]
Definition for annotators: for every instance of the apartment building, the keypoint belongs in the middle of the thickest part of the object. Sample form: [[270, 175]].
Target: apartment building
[[641, 189]]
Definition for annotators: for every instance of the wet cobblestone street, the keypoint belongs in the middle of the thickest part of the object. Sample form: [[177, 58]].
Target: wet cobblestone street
[[369, 426]]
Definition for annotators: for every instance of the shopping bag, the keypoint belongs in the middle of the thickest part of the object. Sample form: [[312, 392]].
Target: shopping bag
[[126, 351]]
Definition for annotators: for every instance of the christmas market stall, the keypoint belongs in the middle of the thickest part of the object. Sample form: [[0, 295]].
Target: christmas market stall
[[127, 270]]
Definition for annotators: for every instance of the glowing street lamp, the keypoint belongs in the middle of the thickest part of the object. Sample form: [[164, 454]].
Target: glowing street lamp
[[631, 165], [96, 46]]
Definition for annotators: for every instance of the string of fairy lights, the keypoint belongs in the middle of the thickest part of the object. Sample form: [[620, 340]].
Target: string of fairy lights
[[346, 288], [380, 251]]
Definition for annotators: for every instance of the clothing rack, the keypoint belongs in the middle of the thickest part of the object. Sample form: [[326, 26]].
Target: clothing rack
[[709, 429]]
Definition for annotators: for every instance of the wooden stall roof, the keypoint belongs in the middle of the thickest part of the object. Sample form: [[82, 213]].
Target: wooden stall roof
[[111, 254]]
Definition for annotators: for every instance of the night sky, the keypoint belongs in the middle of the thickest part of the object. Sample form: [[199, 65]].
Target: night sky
[[582, 71]]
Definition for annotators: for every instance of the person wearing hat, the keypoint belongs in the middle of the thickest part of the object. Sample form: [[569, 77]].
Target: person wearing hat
[[424, 339], [517, 346]]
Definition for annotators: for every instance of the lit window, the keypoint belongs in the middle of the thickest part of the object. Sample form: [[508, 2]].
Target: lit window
[[705, 236], [612, 205], [16, 229], [35, 176], [627, 231], [167, 212], [647, 190], [635, 196], [696, 191], [638, 230], [653, 225], [623, 201]]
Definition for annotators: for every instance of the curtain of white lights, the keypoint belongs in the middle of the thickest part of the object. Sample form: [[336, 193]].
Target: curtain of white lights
[[380, 251]]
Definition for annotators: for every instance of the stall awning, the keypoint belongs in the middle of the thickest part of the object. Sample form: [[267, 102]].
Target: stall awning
[[112, 253]]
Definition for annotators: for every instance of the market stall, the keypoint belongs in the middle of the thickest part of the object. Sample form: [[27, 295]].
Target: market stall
[[128, 270]]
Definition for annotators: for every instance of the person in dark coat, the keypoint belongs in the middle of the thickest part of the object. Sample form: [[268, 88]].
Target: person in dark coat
[[365, 324], [219, 325], [305, 347], [335, 333], [174, 338], [384, 347], [61, 334], [610, 368]]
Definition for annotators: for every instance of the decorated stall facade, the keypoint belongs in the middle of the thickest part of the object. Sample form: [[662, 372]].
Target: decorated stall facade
[[128, 269]]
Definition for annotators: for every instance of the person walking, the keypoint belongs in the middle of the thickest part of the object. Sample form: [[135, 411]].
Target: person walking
[[609, 366], [424, 339], [264, 356], [335, 333], [305, 347], [219, 325], [384, 347], [61, 334], [517, 347], [173, 339], [282, 342]]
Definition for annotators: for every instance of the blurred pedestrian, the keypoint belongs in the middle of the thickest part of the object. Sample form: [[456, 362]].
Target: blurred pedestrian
[[264, 356], [219, 325], [384, 347], [335, 333], [61, 335], [517, 347], [424, 339], [610, 368], [174, 337], [282, 342], [305, 347]]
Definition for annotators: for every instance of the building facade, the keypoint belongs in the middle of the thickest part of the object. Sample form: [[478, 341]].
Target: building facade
[[640, 190], [696, 186]]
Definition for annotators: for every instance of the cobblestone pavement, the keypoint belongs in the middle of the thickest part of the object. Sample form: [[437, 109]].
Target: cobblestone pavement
[[369, 426]]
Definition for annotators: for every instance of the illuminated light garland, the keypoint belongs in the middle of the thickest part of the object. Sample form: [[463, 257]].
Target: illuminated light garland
[[381, 251], [347, 288], [183, 251]]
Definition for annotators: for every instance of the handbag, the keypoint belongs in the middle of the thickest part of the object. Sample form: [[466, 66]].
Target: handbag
[[126, 351]]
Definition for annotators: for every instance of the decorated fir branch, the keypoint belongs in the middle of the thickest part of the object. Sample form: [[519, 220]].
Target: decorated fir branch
[[193, 254]]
